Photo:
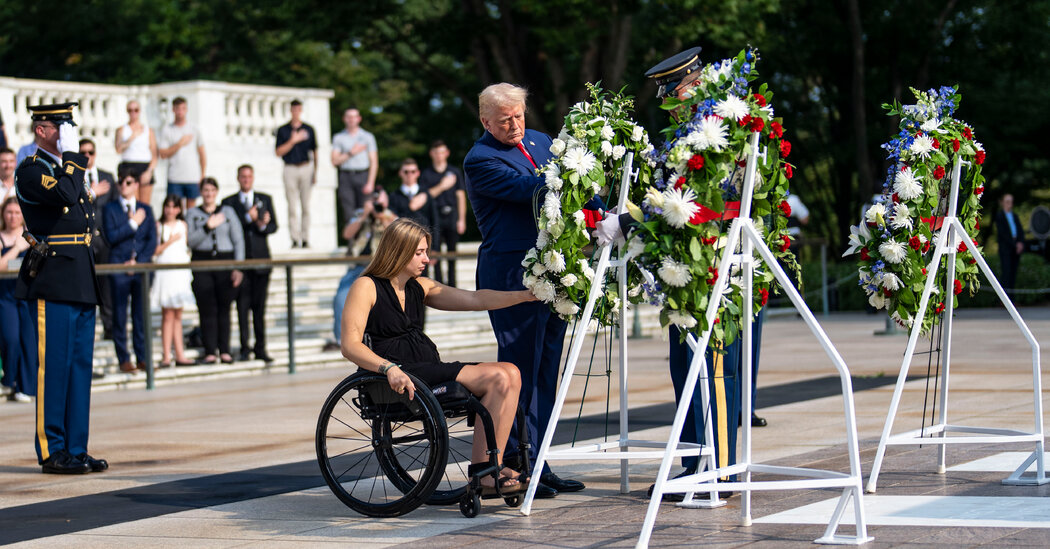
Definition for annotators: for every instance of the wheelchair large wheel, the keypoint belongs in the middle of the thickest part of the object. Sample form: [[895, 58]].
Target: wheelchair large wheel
[[380, 453]]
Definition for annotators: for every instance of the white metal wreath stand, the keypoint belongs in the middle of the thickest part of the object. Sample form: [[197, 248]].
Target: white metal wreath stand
[[616, 449], [743, 233], [949, 236]]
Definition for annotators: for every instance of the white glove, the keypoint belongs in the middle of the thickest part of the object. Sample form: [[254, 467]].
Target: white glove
[[608, 230], [68, 140]]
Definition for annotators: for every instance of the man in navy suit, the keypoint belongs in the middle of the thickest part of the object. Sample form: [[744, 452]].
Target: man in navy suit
[[104, 186], [131, 231], [1010, 233], [501, 181]]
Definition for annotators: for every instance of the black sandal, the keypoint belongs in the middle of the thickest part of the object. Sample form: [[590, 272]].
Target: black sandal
[[507, 485]]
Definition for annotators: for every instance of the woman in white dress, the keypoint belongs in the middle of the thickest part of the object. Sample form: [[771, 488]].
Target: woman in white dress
[[171, 289], [137, 146]]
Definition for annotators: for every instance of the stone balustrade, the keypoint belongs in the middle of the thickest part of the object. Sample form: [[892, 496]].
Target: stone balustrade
[[237, 121]]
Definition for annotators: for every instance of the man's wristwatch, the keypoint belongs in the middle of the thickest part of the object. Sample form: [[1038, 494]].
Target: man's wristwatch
[[387, 366]]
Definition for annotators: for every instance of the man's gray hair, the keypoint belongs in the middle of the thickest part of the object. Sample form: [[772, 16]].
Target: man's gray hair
[[500, 95]]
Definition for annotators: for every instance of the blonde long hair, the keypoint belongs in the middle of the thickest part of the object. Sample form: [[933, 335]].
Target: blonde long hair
[[396, 248]]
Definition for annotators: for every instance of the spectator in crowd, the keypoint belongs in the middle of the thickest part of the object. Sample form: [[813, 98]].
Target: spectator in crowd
[[297, 147], [105, 189], [362, 233], [1010, 233], [171, 288], [7, 173], [354, 152], [15, 344], [131, 230], [215, 234], [183, 147], [3, 133], [137, 146], [25, 151], [254, 211], [409, 200], [450, 218]]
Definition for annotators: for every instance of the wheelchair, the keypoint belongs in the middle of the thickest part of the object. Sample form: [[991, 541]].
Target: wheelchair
[[384, 455]]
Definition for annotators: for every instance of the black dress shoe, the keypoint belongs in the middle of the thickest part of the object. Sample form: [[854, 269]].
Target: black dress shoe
[[560, 484], [245, 355], [62, 463], [545, 492], [263, 356], [96, 465], [758, 421]]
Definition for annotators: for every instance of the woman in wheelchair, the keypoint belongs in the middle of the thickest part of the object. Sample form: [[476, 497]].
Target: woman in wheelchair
[[387, 304]]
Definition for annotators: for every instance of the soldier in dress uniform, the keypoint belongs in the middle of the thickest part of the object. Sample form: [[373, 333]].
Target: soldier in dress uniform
[[57, 278]]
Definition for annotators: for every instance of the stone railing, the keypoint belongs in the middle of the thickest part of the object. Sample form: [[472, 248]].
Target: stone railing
[[237, 122]]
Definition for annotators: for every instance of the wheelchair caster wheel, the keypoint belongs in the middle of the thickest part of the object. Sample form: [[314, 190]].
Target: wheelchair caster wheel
[[470, 505], [514, 501]]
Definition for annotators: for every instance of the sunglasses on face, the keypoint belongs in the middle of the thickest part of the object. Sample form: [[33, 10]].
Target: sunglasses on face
[[88, 152]]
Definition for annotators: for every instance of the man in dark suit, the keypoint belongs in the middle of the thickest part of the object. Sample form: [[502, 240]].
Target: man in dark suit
[[501, 179], [1010, 233], [131, 230], [255, 211], [105, 189], [57, 277]]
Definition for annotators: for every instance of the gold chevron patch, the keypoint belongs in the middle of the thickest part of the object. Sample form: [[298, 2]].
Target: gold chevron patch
[[47, 181]]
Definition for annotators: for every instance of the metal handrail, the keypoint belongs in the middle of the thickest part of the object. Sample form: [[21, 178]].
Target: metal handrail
[[225, 265]]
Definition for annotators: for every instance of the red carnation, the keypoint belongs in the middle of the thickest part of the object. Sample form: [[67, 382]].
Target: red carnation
[[787, 243], [785, 148], [757, 124], [955, 145], [886, 292], [980, 157], [776, 130], [785, 207], [760, 99], [979, 190], [939, 308], [709, 240], [864, 254], [788, 172], [745, 120], [714, 275], [958, 287], [972, 261], [938, 173], [962, 246], [717, 320], [976, 223], [741, 163], [904, 167], [696, 162], [764, 294], [936, 144], [924, 270], [925, 247], [678, 184], [967, 133], [915, 243], [896, 199]]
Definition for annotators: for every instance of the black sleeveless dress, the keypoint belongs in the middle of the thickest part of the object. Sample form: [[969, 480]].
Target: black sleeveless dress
[[397, 335]]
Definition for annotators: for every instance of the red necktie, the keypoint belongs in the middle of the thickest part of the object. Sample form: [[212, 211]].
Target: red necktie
[[521, 147]]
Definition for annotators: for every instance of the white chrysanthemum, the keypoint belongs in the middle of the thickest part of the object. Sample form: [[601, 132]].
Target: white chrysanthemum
[[890, 281], [637, 133], [607, 132], [635, 247], [557, 146], [607, 149], [579, 160], [654, 197], [679, 206], [893, 251], [569, 280], [553, 180], [876, 213], [681, 319], [907, 322], [542, 239], [533, 253], [538, 268], [674, 273], [930, 126], [544, 290], [530, 280], [552, 206], [731, 107], [901, 217], [565, 307], [585, 268], [713, 132], [906, 186], [554, 261], [922, 146], [876, 300], [618, 151], [578, 216]]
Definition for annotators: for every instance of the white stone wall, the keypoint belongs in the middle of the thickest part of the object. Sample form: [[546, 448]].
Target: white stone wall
[[238, 123]]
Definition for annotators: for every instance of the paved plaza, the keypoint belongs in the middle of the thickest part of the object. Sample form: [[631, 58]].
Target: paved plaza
[[230, 462]]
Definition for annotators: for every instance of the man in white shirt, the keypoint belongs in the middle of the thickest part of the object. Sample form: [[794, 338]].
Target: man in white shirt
[[182, 145], [7, 173], [354, 152]]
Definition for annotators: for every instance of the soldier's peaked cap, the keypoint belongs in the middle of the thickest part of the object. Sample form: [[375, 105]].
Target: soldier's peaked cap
[[57, 113], [671, 71]]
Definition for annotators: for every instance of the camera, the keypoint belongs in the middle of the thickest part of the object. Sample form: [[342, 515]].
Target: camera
[[376, 206]]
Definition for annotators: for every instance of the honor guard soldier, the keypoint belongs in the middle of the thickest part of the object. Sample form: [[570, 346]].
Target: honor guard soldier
[[57, 278]]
